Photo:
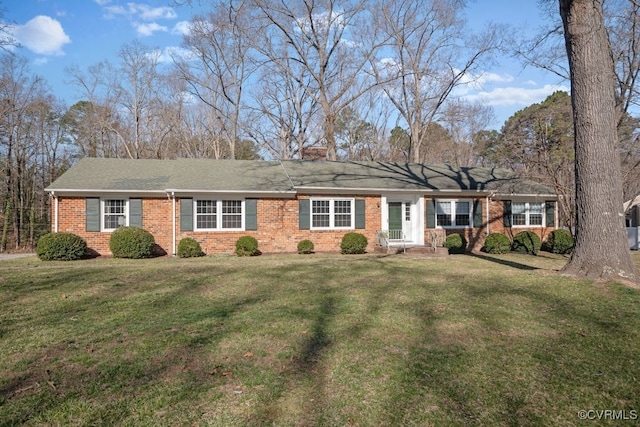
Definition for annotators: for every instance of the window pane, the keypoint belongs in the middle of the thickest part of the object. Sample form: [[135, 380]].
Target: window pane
[[206, 214], [443, 208], [535, 219], [342, 221], [320, 206], [518, 208], [519, 219], [231, 214], [462, 213], [443, 214], [320, 213], [231, 207], [114, 213], [321, 221], [342, 213]]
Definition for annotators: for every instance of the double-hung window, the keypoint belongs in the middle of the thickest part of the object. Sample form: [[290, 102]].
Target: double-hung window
[[219, 214], [453, 213], [332, 213], [114, 214], [527, 213]]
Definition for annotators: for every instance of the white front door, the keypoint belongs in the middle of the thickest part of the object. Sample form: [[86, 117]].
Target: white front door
[[404, 215]]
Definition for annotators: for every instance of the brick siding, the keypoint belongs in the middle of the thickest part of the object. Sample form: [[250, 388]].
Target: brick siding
[[278, 228]]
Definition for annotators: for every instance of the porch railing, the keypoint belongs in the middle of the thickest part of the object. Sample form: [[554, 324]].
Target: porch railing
[[395, 238]]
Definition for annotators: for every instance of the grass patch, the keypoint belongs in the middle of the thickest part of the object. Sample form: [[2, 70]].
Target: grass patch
[[318, 340]]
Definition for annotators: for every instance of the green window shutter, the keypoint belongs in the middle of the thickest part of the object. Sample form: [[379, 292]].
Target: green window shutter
[[186, 214], [135, 212], [360, 215], [506, 215], [251, 214], [92, 212], [477, 213], [304, 214], [550, 210], [431, 213]]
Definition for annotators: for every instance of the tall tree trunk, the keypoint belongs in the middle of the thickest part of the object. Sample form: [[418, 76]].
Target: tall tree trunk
[[601, 247]]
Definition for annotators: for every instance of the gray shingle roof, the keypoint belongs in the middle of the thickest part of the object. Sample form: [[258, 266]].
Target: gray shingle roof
[[92, 174]]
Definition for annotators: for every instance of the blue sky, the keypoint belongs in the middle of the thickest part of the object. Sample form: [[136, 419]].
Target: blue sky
[[55, 34]]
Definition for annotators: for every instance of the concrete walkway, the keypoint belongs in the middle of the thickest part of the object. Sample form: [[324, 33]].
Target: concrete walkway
[[12, 256]]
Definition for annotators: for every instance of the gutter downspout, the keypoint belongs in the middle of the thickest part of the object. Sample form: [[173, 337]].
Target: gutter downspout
[[172, 196], [55, 211], [488, 219]]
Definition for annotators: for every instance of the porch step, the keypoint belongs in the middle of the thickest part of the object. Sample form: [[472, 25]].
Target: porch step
[[427, 251]]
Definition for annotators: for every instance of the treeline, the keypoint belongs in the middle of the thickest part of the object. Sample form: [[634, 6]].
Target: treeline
[[368, 80]]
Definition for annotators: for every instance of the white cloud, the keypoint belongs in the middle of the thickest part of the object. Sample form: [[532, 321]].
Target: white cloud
[[150, 13], [168, 54], [42, 35], [139, 11], [515, 96], [182, 27], [149, 29]]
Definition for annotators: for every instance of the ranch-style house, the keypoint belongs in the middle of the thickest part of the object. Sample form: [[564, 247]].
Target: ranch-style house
[[283, 202]]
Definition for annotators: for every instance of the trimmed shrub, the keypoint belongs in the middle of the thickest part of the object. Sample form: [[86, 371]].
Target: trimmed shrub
[[131, 242], [353, 243], [497, 243], [305, 247], [61, 247], [247, 246], [559, 241], [456, 243], [189, 248], [526, 242]]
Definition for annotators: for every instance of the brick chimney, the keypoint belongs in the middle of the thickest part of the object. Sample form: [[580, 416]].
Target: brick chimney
[[314, 153]]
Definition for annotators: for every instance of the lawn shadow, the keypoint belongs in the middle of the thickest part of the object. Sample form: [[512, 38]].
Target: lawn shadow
[[488, 257]]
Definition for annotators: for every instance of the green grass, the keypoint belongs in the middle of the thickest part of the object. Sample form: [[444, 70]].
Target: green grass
[[314, 340]]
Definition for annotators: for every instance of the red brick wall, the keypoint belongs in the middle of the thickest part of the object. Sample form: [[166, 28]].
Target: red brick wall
[[156, 218], [476, 236], [278, 229]]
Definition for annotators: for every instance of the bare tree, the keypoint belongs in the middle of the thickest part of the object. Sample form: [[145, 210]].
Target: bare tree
[[601, 247], [333, 41], [284, 118], [430, 57], [29, 132], [221, 65]]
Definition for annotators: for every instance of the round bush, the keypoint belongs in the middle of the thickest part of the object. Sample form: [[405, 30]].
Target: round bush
[[559, 241], [456, 243], [526, 242], [497, 243], [305, 247], [189, 248], [131, 242], [353, 243], [247, 246], [61, 247]]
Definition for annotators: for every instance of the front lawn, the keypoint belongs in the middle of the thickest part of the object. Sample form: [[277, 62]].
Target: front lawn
[[328, 340]]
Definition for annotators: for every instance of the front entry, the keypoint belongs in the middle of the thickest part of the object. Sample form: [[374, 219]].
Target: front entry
[[399, 214]]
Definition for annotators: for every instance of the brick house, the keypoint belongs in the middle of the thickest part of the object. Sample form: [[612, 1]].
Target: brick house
[[281, 203]]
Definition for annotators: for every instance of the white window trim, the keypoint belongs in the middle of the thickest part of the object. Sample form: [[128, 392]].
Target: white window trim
[[103, 213], [454, 204], [218, 215], [527, 212], [332, 214]]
